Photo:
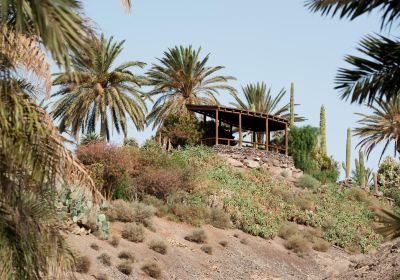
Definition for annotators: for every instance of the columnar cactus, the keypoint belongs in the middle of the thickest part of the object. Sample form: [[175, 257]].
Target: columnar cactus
[[322, 127], [292, 104], [362, 169], [348, 153]]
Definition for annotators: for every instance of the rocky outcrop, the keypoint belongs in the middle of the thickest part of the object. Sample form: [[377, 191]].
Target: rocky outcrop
[[254, 158]]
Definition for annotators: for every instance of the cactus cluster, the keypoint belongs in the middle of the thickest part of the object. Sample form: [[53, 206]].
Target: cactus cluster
[[346, 165], [322, 128], [78, 206], [361, 175]]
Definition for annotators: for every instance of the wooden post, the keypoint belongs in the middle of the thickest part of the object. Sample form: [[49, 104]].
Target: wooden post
[[266, 134], [240, 130], [216, 127], [254, 140], [286, 140]]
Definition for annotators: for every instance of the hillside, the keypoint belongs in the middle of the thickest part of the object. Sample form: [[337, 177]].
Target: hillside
[[276, 226]]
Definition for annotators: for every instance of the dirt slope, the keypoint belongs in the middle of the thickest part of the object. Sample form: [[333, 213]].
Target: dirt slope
[[256, 259]]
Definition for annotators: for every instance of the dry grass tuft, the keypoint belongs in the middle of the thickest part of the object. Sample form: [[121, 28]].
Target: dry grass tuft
[[287, 230], [82, 264], [207, 249], [244, 241], [94, 246], [105, 259], [122, 211], [236, 235], [220, 219], [125, 255], [197, 236], [152, 269], [102, 276], [298, 244], [114, 241], [223, 243], [321, 245], [125, 267], [133, 232], [158, 246]]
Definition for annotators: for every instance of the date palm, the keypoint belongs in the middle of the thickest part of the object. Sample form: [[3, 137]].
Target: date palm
[[375, 74], [258, 99], [95, 91], [382, 126], [181, 78]]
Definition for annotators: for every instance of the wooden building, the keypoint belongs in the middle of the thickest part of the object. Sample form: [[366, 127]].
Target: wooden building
[[260, 126]]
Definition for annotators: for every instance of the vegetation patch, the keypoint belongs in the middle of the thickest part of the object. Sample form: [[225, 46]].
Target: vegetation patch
[[223, 243], [82, 264], [133, 232], [94, 246], [152, 269], [220, 219], [125, 255], [114, 241], [159, 246], [197, 236], [105, 259], [125, 267], [207, 249], [298, 244]]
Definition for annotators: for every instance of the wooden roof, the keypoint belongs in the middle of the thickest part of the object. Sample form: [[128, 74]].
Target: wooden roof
[[254, 121]]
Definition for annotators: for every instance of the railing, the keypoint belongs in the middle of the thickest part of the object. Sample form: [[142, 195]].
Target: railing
[[233, 142]]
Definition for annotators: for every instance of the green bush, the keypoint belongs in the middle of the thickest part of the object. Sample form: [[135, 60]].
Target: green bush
[[308, 182], [326, 176], [389, 178], [302, 143]]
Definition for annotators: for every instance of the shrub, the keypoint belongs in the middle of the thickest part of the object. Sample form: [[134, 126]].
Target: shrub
[[143, 212], [207, 249], [195, 215], [158, 246], [161, 208], [114, 241], [158, 182], [389, 178], [357, 194], [321, 245], [116, 161], [102, 276], [305, 203], [308, 182], [181, 130], [326, 176], [105, 259], [122, 211], [125, 268], [197, 236], [152, 269], [82, 264], [244, 241], [287, 230], [133, 232], [223, 243], [131, 142], [125, 255], [94, 246], [312, 234], [220, 219], [302, 143], [298, 244]]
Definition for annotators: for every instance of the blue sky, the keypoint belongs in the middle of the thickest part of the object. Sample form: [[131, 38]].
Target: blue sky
[[256, 40]]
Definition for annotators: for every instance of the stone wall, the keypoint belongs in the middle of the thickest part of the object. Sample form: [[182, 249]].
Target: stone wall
[[246, 157]]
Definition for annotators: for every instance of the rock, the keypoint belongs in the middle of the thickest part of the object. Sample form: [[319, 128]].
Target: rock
[[251, 163], [234, 162]]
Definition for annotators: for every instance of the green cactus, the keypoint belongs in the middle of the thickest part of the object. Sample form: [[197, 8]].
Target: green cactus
[[346, 166], [292, 104], [361, 175], [322, 127]]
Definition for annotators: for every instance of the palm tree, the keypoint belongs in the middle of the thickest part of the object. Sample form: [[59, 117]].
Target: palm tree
[[259, 99], [375, 75], [383, 125], [181, 78], [95, 91]]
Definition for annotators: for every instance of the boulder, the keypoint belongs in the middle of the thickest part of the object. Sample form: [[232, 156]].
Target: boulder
[[234, 162], [251, 163]]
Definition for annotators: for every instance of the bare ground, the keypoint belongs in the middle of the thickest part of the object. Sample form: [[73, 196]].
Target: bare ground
[[258, 259]]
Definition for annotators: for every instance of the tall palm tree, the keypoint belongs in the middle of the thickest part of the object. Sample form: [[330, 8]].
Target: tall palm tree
[[95, 91], [259, 99], [383, 125], [181, 78], [375, 75]]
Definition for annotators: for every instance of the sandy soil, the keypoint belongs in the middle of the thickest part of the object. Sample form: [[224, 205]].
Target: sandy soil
[[259, 259]]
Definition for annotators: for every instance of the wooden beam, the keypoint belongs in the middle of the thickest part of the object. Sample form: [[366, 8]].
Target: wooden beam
[[266, 134], [240, 130], [216, 127], [286, 140]]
